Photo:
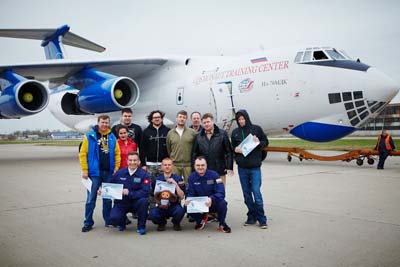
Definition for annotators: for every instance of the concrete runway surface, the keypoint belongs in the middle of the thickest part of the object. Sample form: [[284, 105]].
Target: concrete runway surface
[[319, 214]]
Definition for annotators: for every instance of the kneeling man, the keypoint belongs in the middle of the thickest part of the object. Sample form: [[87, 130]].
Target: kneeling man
[[204, 182], [168, 203], [134, 195]]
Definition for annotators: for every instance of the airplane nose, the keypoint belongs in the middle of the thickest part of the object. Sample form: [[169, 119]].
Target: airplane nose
[[380, 86]]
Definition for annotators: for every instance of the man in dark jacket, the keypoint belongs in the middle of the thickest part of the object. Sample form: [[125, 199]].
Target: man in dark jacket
[[213, 143], [134, 130], [249, 167], [384, 146], [153, 148]]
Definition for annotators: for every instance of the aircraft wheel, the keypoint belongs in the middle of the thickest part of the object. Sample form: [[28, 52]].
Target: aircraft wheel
[[360, 162], [371, 161], [289, 158], [301, 157]]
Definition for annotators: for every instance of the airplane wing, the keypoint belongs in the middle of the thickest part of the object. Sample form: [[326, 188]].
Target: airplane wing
[[59, 71]]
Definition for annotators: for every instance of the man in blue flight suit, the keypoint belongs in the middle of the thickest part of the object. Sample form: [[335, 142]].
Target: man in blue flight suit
[[168, 204], [134, 195], [208, 183]]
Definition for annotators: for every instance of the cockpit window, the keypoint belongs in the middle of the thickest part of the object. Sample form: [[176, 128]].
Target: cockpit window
[[334, 54], [319, 55], [307, 56]]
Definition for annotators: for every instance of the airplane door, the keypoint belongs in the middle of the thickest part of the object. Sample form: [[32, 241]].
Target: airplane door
[[224, 110]]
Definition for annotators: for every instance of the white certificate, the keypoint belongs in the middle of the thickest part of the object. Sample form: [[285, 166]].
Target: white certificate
[[248, 144], [197, 204], [87, 183], [111, 191], [162, 186]]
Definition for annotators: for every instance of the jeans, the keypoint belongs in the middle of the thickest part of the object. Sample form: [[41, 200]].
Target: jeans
[[105, 177], [250, 179], [383, 154], [138, 206]]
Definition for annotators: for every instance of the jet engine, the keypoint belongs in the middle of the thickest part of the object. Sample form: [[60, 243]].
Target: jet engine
[[21, 97], [99, 93]]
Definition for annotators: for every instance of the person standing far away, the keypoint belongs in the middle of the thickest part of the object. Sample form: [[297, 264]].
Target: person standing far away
[[153, 148], [134, 130], [179, 146], [195, 117], [213, 143], [384, 145], [99, 158], [249, 167]]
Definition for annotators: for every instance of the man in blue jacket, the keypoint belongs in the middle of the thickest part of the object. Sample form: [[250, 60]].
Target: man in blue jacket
[[249, 167], [204, 182], [134, 195], [99, 157], [168, 203]]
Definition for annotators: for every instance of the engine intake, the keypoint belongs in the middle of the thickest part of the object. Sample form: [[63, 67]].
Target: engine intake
[[101, 92], [22, 97]]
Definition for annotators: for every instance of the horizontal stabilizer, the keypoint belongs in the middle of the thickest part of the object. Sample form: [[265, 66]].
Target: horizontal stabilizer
[[47, 35]]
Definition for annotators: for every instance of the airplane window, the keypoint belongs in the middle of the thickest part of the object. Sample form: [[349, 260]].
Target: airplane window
[[359, 103], [351, 114], [365, 114], [334, 98], [361, 109], [346, 96], [371, 103], [349, 105], [319, 55], [307, 56], [298, 57], [334, 54], [345, 54], [355, 121], [358, 94], [377, 107]]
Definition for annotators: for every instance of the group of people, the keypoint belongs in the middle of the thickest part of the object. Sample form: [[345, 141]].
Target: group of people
[[195, 159]]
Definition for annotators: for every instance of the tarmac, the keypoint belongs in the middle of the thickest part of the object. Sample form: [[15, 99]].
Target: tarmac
[[319, 214]]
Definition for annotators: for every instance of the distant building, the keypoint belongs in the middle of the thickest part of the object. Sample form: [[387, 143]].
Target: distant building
[[66, 135], [388, 119]]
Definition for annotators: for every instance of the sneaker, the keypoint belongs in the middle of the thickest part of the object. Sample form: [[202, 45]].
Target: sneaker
[[141, 231], [224, 228], [263, 226], [161, 227], [121, 228], [86, 228], [250, 221], [177, 227], [109, 226], [200, 226]]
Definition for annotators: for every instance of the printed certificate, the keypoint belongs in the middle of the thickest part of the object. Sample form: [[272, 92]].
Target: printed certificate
[[87, 183], [111, 191], [197, 204], [248, 144], [162, 186]]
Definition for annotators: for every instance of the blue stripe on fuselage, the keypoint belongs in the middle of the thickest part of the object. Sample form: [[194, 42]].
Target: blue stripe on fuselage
[[321, 132]]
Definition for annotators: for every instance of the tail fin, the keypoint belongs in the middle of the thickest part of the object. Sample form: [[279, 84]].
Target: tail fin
[[53, 40]]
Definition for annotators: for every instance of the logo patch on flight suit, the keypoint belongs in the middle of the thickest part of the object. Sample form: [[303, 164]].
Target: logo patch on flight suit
[[197, 183], [122, 178], [219, 181], [209, 182], [137, 180]]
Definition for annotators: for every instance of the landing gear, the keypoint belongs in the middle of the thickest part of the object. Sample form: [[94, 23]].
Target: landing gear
[[289, 158], [360, 161], [371, 161]]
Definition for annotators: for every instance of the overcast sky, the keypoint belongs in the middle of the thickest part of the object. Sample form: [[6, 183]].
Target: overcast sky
[[368, 30]]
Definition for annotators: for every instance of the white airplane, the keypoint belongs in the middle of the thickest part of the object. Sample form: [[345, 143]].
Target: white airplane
[[315, 93]]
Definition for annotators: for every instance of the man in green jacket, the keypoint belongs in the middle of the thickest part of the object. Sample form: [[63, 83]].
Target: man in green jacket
[[179, 146]]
